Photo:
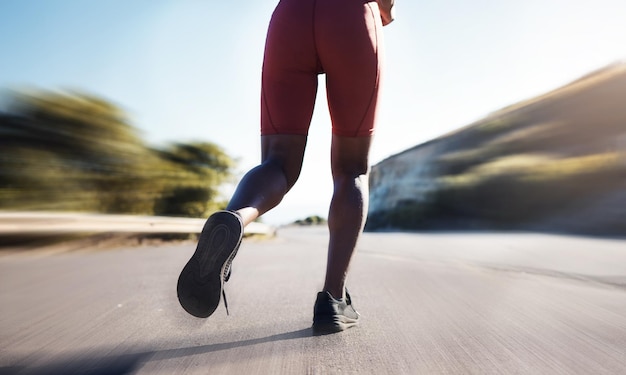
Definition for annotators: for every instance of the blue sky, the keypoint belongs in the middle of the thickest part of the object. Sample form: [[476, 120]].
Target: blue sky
[[188, 70]]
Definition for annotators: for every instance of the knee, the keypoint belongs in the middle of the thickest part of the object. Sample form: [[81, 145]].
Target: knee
[[350, 172], [278, 167], [351, 181]]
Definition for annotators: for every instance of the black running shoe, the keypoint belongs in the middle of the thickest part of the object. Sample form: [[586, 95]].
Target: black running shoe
[[201, 283], [331, 315]]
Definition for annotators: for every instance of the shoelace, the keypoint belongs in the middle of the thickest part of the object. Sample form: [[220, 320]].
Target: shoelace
[[227, 272], [225, 301]]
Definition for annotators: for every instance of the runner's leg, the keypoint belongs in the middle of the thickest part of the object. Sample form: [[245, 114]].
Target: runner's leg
[[263, 187], [288, 90], [350, 48], [348, 208]]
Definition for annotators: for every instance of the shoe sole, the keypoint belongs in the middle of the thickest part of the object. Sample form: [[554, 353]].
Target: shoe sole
[[201, 281], [334, 324]]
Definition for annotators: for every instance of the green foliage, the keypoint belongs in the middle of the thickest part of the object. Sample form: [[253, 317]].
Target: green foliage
[[79, 153], [195, 172], [519, 189], [311, 220], [495, 125]]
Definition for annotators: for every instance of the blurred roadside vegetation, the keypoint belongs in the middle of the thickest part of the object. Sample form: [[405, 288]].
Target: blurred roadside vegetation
[[311, 220], [552, 163], [77, 152], [524, 184]]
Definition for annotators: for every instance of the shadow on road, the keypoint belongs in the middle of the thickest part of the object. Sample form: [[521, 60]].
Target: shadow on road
[[128, 363], [184, 352]]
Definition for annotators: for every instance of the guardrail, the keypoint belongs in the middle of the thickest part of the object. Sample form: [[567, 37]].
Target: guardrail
[[24, 223]]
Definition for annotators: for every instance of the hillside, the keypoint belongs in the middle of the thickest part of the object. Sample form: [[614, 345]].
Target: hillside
[[552, 163]]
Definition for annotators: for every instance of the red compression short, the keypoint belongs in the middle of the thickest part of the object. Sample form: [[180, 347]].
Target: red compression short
[[341, 38]]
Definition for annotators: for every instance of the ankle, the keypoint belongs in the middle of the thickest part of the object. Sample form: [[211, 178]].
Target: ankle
[[337, 294], [247, 214]]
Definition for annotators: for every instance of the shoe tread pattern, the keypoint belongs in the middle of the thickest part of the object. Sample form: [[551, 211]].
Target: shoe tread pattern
[[201, 281]]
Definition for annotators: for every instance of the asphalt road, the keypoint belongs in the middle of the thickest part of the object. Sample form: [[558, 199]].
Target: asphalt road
[[445, 303]]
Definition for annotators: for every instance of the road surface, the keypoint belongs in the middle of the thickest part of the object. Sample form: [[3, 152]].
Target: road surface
[[444, 303]]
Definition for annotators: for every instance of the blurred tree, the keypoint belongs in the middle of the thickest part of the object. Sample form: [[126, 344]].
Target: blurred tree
[[311, 220], [71, 151], [196, 171]]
